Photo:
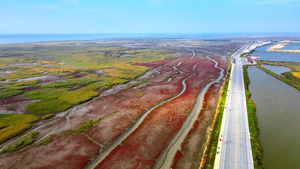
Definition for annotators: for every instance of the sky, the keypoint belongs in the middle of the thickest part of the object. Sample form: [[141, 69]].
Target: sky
[[149, 16]]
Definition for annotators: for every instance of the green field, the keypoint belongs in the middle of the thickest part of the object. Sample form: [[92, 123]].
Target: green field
[[75, 75], [14, 124], [66, 60]]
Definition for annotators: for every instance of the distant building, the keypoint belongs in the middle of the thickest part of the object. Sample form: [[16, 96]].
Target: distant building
[[253, 46], [249, 59]]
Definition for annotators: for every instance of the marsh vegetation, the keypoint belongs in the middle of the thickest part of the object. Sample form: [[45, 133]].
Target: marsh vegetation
[[86, 96]]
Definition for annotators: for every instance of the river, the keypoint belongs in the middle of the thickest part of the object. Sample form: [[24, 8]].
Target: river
[[278, 114]]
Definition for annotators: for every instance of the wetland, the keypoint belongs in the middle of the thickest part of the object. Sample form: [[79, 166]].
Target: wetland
[[88, 96]]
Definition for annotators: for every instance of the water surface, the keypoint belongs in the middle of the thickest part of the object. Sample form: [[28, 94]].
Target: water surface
[[278, 115], [277, 69], [276, 56], [32, 78], [263, 48], [292, 46], [25, 38]]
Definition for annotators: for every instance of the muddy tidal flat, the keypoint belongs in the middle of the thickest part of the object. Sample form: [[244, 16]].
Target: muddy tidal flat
[[118, 103]]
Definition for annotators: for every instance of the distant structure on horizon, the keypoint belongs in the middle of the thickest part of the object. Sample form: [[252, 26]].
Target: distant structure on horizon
[[290, 41], [253, 46]]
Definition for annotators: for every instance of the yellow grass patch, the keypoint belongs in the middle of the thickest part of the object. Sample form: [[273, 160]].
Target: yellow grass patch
[[14, 124], [52, 70], [45, 62], [297, 74], [78, 96]]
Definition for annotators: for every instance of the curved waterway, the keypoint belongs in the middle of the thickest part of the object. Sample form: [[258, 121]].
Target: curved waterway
[[278, 115], [123, 136], [165, 160]]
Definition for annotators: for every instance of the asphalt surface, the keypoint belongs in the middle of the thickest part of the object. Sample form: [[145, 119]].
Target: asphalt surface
[[234, 150]]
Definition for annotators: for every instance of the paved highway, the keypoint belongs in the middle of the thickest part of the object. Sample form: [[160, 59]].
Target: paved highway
[[234, 148]]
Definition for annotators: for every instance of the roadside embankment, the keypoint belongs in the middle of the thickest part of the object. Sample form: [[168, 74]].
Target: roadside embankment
[[252, 120], [208, 158]]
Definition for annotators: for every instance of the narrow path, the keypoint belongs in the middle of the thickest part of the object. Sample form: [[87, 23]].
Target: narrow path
[[100, 145], [124, 135], [165, 160]]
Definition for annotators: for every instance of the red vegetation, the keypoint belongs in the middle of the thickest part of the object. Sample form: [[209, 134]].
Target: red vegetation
[[155, 64], [71, 151], [145, 144], [178, 155], [119, 111], [193, 142]]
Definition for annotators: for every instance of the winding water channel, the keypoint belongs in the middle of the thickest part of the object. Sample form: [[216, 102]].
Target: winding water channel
[[166, 158], [277, 109], [123, 136]]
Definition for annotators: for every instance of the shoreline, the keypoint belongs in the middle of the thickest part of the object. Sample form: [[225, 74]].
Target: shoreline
[[279, 48], [257, 150]]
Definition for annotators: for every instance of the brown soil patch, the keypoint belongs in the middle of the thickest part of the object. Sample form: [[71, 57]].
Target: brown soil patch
[[14, 104]]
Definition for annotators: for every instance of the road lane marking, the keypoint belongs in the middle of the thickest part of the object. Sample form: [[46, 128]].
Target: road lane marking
[[236, 118], [221, 160]]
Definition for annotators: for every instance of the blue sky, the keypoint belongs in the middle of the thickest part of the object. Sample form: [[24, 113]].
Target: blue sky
[[149, 16]]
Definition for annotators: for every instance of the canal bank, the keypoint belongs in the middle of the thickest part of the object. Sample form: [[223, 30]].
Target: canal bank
[[277, 110], [253, 127]]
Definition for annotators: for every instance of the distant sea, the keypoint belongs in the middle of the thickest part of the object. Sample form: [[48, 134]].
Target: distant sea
[[26, 38]]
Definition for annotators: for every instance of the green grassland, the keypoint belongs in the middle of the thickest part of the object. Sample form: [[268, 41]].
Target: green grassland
[[25, 140], [66, 60], [14, 124], [47, 116], [75, 64], [9, 92], [44, 141], [84, 127]]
